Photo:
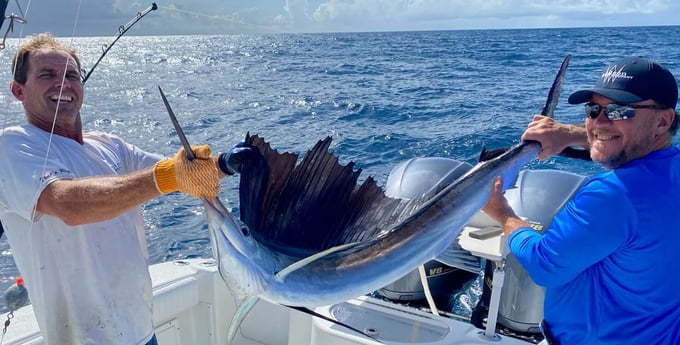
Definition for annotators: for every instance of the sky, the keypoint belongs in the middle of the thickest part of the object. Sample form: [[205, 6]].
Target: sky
[[76, 18]]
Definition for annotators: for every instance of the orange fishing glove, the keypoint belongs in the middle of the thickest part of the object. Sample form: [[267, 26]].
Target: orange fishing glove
[[197, 177]]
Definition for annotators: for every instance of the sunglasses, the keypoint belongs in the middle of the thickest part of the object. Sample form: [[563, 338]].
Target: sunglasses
[[615, 111]]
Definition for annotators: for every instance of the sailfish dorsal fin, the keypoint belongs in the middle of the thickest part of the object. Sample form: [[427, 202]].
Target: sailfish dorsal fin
[[304, 208]]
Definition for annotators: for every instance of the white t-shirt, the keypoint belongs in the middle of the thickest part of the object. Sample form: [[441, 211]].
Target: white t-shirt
[[89, 284]]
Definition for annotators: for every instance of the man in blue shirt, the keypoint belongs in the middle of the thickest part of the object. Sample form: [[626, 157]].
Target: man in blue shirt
[[605, 258]]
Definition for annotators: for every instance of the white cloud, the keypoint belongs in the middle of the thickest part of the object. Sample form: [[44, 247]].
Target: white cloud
[[297, 11], [460, 14]]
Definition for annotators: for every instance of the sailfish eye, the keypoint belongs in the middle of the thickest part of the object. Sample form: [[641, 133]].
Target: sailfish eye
[[245, 231]]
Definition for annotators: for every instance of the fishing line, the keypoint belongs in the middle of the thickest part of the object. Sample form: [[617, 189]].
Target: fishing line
[[56, 111], [224, 19]]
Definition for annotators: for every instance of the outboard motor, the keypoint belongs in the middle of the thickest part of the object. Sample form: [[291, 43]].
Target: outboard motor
[[539, 195], [456, 266]]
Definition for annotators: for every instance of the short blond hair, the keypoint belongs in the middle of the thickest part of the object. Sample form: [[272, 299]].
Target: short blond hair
[[33, 44]]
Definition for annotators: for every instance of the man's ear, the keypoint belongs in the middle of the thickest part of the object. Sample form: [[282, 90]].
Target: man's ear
[[666, 120], [17, 90]]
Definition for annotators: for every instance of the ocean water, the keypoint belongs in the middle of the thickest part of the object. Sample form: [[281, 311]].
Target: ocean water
[[384, 98]]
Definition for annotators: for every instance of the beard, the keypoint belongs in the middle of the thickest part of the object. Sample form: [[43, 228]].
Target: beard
[[611, 161], [640, 146]]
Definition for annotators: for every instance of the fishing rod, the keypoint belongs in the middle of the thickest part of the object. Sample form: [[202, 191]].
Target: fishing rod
[[12, 19], [121, 31]]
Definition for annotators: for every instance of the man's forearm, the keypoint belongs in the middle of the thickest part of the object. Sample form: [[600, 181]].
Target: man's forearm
[[95, 199], [511, 224]]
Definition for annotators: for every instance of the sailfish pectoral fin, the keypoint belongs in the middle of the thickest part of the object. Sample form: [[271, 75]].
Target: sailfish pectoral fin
[[246, 305], [281, 275]]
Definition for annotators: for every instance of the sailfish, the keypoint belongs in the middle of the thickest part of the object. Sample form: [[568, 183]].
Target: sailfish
[[310, 235]]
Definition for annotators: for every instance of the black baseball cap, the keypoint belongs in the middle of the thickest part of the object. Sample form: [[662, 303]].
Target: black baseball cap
[[630, 80]]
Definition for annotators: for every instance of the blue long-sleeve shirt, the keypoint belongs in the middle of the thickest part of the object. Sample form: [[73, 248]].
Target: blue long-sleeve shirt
[[608, 260]]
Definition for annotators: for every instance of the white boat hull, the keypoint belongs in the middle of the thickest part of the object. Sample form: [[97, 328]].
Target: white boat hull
[[192, 305]]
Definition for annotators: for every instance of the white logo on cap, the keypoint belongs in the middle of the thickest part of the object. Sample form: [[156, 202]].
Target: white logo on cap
[[611, 74]]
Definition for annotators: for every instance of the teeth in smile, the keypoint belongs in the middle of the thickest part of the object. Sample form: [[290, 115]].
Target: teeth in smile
[[62, 98]]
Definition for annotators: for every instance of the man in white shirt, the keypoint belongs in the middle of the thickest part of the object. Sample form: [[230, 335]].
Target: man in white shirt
[[70, 205]]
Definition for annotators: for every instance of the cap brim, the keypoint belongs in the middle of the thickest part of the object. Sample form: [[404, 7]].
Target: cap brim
[[618, 96]]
